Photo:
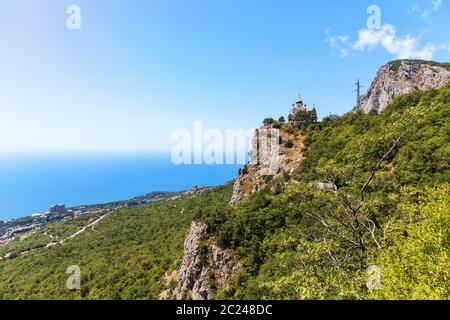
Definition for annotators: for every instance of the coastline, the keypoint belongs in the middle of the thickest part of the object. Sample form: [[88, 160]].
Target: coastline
[[31, 183]]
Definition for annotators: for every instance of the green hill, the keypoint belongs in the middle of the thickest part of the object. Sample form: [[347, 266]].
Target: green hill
[[124, 257], [390, 211]]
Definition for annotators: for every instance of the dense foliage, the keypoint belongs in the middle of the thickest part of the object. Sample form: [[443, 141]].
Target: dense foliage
[[124, 257], [416, 262], [372, 191], [303, 117], [316, 238]]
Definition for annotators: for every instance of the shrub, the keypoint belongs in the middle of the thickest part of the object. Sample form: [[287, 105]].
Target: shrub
[[268, 121], [276, 125], [289, 144]]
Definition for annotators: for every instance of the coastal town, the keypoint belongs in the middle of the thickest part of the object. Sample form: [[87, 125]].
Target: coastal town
[[16, 229], [22, 228]]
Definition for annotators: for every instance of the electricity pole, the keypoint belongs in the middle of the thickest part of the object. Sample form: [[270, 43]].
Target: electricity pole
[[358, 92]]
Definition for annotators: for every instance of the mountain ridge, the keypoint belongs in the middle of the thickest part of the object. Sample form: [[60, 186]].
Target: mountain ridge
[[364, 190], [400, 77], [429, 75]]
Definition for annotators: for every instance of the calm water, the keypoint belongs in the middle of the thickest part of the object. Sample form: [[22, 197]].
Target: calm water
[[32, 183]]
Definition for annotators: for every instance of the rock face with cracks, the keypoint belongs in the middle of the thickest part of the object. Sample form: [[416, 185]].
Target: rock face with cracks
[[206, 267], [401, 77], [253, 178]]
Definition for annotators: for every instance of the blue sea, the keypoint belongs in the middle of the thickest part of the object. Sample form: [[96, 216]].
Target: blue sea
[[31, 183]]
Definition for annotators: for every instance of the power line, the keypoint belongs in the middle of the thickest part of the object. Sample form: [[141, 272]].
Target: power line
[[336, 99]]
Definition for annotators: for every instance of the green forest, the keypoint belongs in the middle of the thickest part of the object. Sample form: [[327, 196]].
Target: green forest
[[124, 257], [389, 211]]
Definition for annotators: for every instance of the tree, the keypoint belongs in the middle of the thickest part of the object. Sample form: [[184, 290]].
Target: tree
[[281, 120], [312, 115], [289, 144], [354, 218], [268, 121], [415, 263], [301, 117], [276, 125]]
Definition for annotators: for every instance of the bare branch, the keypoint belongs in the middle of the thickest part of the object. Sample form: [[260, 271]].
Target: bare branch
[[378, 165], [329, 228]]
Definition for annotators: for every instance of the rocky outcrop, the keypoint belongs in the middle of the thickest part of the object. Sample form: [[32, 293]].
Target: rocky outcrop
[[253, 178], [393, 79], [324, 186], [401, 77], [206, 267], [195, 190]]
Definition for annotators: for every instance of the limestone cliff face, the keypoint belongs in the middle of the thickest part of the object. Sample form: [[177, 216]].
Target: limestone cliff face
[[393, 79], [401, 77], [206, 267], [252, 178]]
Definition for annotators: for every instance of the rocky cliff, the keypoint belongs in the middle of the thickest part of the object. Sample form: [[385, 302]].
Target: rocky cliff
[[252, 178], [206, 267], [400, 77]]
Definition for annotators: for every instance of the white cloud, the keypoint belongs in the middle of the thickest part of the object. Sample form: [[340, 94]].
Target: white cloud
[[337, 42], [343, 39], [436, 4], [402, 47], [407, 47], [426, 13], [343, 52]]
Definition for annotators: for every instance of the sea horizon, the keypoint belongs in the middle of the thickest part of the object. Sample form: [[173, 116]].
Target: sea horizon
[[31, 183]]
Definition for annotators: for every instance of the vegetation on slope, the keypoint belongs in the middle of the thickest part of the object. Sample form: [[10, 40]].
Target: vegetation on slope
[[396, 63], [390, 209], [415, 263], [53, 232], [124, 257], [306, 243]]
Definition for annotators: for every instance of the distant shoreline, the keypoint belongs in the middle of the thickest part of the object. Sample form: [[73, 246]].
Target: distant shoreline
[[32, 183]]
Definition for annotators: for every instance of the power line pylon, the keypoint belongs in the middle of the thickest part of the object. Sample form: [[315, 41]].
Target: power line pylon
[[358, 92]]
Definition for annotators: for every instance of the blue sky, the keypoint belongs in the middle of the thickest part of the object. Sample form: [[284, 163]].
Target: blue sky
[[137, 70]]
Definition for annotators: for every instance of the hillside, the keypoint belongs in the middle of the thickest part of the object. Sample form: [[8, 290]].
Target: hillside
[[123, 257], [389, 208], [250, 179], [360, 192]]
